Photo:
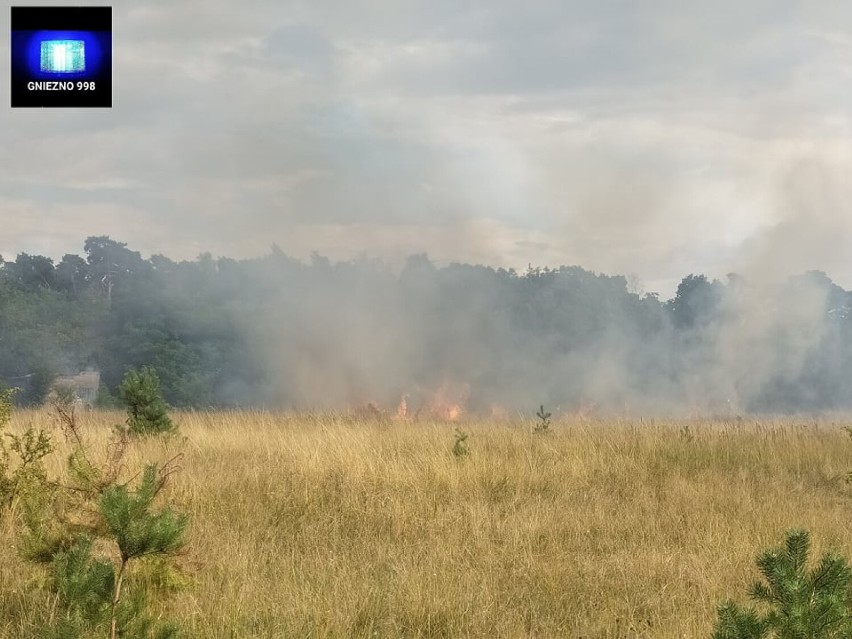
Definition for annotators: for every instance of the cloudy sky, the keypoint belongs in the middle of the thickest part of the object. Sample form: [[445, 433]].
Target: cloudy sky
[[648, 138]]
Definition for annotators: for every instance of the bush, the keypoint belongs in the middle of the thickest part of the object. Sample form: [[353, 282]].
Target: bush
[[94, 589], [146, 410], [21, 456], [36, 389], [799, 604], [90, 528], [461, 447]]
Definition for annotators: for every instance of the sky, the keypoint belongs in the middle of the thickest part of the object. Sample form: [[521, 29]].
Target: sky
[[651, 139]]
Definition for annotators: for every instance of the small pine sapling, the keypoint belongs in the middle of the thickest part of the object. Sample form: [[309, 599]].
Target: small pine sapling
[[136, 529], [147, 413], [88, 533], [815, 604], [543, 425], [460, 446], [94, 591]]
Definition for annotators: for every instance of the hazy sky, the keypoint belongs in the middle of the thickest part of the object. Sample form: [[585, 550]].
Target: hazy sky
[[651, 138]]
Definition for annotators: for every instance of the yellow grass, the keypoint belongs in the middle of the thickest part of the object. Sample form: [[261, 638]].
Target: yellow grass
[[327, 527]]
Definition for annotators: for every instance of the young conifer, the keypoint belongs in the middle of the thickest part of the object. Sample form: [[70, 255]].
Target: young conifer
[[798, 603], [93, 589], [146, 410], [460, 446], [138, 530], [91, 531]]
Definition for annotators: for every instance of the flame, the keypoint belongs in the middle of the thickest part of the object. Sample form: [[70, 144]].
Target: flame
[[402, 408], [446, 403]]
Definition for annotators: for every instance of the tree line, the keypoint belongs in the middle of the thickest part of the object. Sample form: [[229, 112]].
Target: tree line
[[275, 331]]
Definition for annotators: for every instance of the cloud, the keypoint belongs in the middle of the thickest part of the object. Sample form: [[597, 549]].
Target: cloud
[[648, 139]]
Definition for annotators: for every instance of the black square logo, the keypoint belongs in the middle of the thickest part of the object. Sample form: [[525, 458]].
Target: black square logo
[[61, 56]]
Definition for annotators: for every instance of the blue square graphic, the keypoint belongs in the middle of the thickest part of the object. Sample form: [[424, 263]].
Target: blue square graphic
[[63, 56]]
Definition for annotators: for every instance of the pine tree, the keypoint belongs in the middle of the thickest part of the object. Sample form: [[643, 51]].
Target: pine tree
[[89, 532], [136, 529], [92, 588], [460, 447], [146, 409], [802, 604]]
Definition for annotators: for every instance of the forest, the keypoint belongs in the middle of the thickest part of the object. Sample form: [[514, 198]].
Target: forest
[[277, 332]]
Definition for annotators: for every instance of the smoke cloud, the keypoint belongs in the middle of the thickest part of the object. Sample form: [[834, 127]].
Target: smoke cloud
[[651, 141], [493, 341]]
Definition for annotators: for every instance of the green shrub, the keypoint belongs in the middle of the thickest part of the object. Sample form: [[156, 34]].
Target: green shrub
[[146, 410], [796, 603], [21, 456], [88, 529], [460, 446], [94, 590]]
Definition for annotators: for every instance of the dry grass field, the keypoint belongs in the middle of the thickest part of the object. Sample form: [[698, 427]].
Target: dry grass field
[[323, 526]]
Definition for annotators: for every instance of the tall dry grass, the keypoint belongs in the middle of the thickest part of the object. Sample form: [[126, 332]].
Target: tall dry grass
[[306, 526]]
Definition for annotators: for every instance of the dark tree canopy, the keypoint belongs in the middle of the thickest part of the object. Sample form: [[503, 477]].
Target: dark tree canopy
[[274, 331]]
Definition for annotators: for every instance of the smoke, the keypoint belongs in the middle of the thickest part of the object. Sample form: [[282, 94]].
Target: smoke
[[461, 338], [654, 140]]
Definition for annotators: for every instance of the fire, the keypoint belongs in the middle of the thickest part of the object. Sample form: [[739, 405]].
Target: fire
[[447, 403], [445, 411], [402, 408]]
